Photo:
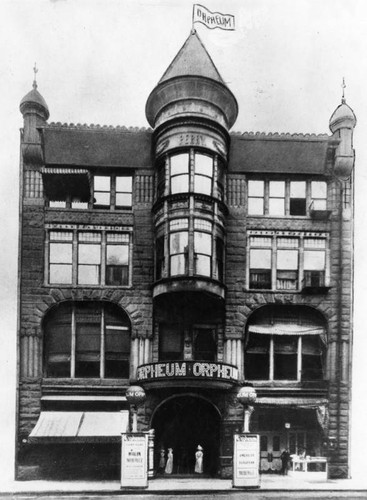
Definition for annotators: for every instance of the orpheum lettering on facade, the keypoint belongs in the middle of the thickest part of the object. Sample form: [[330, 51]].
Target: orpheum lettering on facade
[[187, 369]]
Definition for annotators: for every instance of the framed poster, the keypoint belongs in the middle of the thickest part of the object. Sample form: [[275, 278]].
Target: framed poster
[[134, 460], [246, 456]]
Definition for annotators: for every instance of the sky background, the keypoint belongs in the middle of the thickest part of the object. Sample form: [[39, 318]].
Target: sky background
[[98, 61]]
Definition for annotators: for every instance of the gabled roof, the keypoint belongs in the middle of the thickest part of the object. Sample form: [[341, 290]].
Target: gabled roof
[[192, 60]]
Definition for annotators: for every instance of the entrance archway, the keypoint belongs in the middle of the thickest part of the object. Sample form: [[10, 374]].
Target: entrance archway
[[182, 423]]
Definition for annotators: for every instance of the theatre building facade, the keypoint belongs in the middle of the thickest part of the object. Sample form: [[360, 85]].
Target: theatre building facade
[[190, 261]]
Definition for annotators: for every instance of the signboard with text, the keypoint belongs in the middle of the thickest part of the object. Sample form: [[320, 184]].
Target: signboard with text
[[134, 460], [246, 458]]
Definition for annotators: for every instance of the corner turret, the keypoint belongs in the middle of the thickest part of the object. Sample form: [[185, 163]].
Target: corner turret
[[342, 123], [35, 115], [192, 87]]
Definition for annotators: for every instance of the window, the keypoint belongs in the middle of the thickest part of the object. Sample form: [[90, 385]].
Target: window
[[194, 247], [297, 202], [203, 174], [318, 195], [89, 258], [256, 197], [102, 258], [203, 246], [180, 173], [179, 246], [117, 259], [87, 340], [287, 263], [191, 342], [205, 348], [260, 262], [170, 342], [314, 262], [277, 260], [192, 171], [277, 198], [285, 344], [61, 257], [112, 192]]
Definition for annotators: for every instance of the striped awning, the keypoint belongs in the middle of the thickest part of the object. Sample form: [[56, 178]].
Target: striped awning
[[65, 171], [78, 426]]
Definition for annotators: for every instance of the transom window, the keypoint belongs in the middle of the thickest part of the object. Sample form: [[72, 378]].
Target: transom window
[[87, 339], [88, 258], [281, 262], [286, 198]]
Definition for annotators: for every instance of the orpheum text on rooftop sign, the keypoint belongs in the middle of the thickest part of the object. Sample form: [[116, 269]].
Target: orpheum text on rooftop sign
[[187, 369]]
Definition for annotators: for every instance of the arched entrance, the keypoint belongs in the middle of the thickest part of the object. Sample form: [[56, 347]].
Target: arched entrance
[[182, 423]]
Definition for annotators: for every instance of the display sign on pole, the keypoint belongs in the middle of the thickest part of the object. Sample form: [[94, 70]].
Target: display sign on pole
[[246, 458], [134, 460]]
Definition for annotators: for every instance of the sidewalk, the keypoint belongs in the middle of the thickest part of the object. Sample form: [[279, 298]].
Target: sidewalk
[[268, 482]]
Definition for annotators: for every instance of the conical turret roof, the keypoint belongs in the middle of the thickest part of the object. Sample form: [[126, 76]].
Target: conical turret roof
[[191, 86], [192, 60]]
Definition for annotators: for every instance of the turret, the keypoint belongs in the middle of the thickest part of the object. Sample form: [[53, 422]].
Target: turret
[[35, 114], [342, 123], [191, 110]]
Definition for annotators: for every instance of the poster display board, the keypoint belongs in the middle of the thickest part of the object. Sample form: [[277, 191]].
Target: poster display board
[[134, 460], [246, 458]]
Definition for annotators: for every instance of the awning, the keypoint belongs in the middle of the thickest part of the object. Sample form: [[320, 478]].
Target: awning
[[286, 329], [77, 427], [291, 401], [62, 182]]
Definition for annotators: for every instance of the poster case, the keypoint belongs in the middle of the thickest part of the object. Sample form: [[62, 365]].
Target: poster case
[[246, 461], [134, 460]]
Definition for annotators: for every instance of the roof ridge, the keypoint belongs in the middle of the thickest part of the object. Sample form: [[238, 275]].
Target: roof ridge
[[281, 135], [102, 128]]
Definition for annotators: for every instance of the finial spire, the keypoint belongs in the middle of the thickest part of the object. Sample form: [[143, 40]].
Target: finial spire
[[35, 71], [343, 94]]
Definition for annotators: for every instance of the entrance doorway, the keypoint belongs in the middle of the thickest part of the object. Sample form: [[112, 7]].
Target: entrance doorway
[[183, 423]]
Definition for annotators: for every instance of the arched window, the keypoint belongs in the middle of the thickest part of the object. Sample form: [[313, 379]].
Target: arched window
[[87, 339], [285, 343]]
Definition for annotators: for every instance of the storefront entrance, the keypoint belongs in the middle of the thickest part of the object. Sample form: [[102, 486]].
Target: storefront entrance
[[182, 423]]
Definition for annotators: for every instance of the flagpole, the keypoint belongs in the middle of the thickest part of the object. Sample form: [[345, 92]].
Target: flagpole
[[192, 23]]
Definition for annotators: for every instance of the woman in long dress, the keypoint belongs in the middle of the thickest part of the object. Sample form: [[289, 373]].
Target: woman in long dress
[[199, 460], [169, 464]]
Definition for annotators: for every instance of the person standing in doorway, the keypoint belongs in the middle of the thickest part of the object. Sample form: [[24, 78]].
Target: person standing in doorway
[[169, 464], [199, 455]]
